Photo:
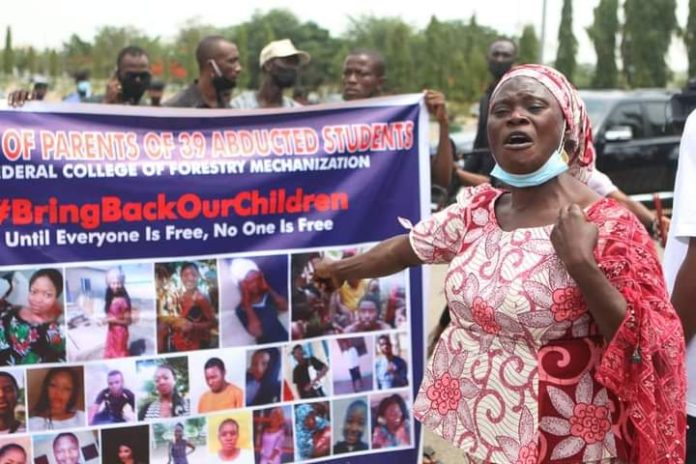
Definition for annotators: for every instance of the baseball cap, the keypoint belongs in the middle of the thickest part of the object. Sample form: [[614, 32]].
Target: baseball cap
[[281, 49]]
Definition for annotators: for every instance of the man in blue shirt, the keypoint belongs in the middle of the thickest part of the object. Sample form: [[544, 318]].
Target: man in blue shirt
[[391, 370]]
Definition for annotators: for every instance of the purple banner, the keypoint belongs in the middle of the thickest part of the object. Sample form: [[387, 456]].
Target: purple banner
[[173, 249]]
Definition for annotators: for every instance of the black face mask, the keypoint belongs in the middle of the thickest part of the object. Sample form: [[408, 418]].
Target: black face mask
[[499, 68], [133, 86], [222, 84], [284, 77]]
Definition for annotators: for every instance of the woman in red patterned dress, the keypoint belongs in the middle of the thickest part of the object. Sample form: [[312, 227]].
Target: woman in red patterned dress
[[563, 346]]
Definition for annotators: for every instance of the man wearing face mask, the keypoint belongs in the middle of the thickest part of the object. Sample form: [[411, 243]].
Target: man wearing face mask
[[131, 79], [280, 62], [125, 87], [501, 56], [218, 68], [83, 88]]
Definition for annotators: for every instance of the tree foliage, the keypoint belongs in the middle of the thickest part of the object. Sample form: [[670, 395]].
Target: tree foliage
[[445, 55], [567, 43], [529, 46], [690, 38], [8, 61], [647, 33], [603, 35]]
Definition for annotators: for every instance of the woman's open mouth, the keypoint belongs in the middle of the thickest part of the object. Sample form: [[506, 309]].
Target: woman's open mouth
[[518, 140]]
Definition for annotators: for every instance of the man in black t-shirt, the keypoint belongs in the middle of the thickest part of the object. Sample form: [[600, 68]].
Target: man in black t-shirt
[[113, 404], [307, 386], [501, 56]]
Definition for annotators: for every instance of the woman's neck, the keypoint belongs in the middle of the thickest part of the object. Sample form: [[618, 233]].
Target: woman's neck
[[40, 317], [394, 428], [229, 454], [539, 206], [60, 415], [549, 194]]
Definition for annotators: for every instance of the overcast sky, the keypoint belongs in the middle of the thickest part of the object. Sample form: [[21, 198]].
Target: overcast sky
[[47, 23]]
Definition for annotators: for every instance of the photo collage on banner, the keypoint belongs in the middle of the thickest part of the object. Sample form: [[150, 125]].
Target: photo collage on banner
[[158, 299], [238, 359]]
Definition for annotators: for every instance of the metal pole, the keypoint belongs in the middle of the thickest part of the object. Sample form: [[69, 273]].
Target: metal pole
[[543, 32]]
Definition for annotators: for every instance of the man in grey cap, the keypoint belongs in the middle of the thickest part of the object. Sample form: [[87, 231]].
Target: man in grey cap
[[280, 62]]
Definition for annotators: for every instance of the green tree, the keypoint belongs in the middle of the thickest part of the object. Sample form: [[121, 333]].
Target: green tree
[[647, 33], [240, 36], [183, 55], [8, 61], [53, 63], [690, 38], [567, 43], [603, 35], [77, 53], [108, 42], [438, 57], [395, 40], [529, 46], [32, 64]]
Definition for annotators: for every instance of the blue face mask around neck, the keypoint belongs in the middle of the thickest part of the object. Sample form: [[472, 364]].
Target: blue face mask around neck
[[554, 167]]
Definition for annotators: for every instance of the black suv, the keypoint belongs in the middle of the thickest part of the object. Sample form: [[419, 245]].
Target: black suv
[[636, 145]]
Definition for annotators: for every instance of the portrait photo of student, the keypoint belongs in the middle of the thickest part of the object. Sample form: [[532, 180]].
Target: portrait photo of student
[[126, 445], [56, 398], [15, 450], [263, 376], [79, 447], [254, 299], [187, 305], [351, 429], [391, 420], [312, 430], [110, 392], [230, 438], [12, 409], [273, 437], [32, 323], [180, 441], [391, 365], [352, 361], [110, 311], [217, 382], [164, 388], [307, 369]]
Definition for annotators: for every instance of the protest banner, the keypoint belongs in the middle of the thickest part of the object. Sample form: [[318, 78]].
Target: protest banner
[[156, 285]]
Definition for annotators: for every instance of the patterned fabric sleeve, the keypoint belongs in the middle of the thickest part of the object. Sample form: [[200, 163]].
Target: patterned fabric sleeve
[[438, 238], [644, 363]]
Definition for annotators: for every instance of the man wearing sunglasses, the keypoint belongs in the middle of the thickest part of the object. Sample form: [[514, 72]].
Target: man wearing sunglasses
[[126, 86], [131, 78]]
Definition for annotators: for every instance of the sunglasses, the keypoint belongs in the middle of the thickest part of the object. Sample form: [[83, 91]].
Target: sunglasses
[[143, 76]]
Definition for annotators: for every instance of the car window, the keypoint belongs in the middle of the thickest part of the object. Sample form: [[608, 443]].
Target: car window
[[597, 109], [628, 114], [656, 115]]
